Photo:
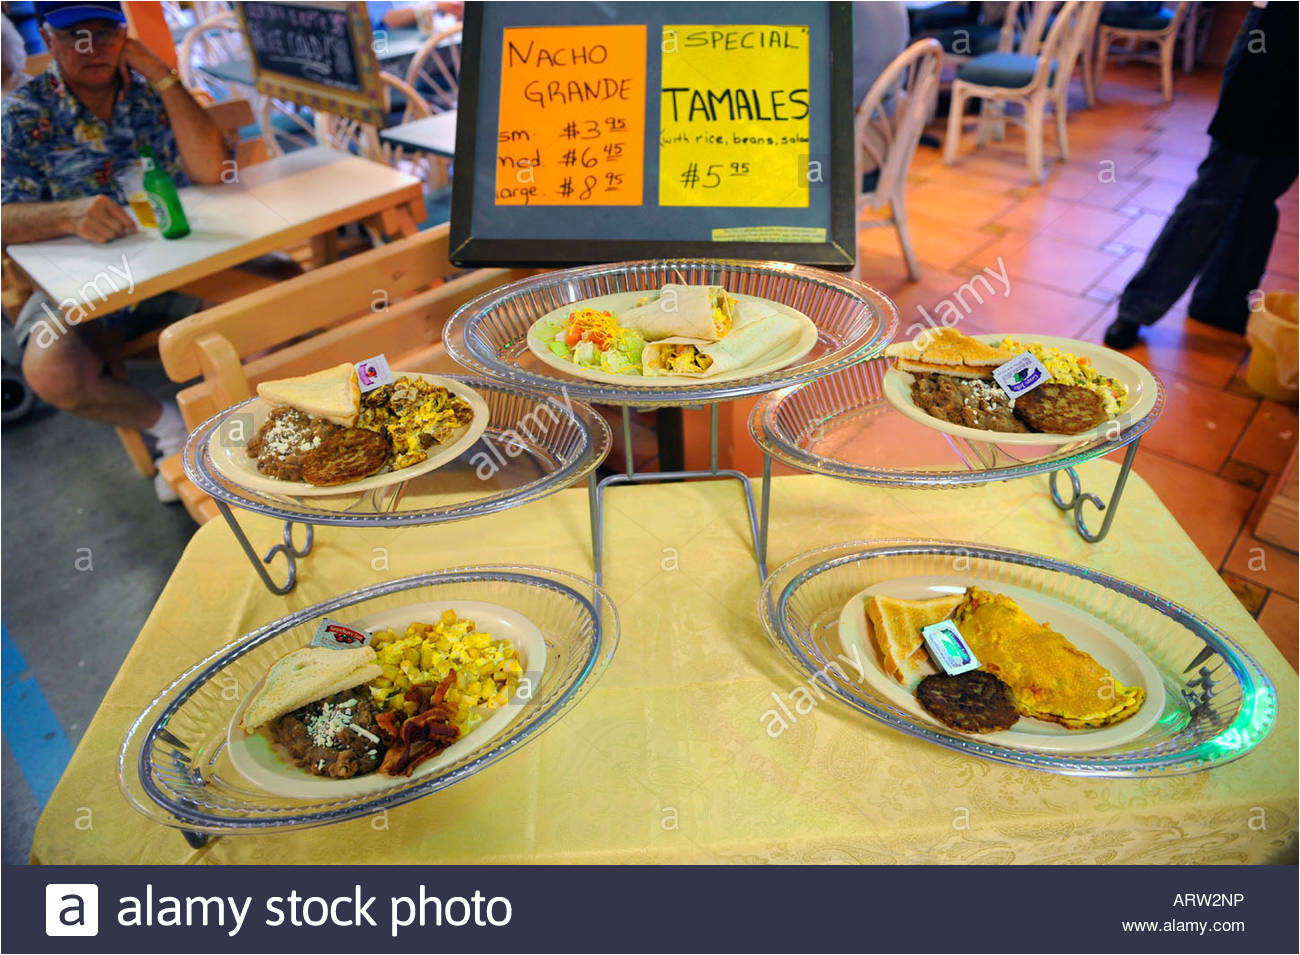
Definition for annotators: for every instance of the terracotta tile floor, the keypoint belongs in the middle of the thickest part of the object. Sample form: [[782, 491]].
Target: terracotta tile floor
[[1070, 245]]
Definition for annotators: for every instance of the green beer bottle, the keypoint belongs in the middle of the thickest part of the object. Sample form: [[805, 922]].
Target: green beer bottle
[[166, 204]]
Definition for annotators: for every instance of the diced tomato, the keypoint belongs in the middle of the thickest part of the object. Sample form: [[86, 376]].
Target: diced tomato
[[573, 336]]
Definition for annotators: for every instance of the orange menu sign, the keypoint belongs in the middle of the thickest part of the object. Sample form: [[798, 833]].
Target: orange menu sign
[[570, 130]]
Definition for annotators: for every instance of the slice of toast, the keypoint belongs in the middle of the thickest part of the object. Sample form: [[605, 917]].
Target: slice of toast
[[333, 394], [949, 348], [895, 627]]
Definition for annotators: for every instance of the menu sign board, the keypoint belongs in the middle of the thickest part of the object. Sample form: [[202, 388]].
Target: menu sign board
[[571, 115], [734, 116], [318, 54], [676, 129]]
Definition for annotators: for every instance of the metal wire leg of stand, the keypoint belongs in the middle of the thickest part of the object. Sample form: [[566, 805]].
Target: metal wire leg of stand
[[1078, 498], [596, 488], [291, 553], [764, 524]]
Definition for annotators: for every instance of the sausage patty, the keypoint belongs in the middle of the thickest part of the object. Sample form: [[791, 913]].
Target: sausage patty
[[346, 455], [1060, 409], [972, 702]]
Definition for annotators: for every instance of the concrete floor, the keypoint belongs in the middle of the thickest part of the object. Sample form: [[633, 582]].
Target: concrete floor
[[72, 499]]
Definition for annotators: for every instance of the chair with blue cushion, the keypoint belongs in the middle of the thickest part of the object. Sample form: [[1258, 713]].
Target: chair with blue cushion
[[887, 127], [1033, 77], [1142, 23]]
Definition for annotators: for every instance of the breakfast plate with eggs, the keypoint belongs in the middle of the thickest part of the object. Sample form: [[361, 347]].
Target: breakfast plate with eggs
[[331, 724], [1073, 683], [318, 435], [943, 379]]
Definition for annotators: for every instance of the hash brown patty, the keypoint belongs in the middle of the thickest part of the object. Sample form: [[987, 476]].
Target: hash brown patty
[[1054, 408], [347, 455], [972, 702]]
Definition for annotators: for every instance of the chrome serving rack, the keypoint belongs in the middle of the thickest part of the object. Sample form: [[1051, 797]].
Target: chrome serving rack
[[490, 337], [824, 427], [535, 445], [1217, 702]]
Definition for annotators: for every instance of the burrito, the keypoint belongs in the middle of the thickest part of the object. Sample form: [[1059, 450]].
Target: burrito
[[699, 312], [757, 333]]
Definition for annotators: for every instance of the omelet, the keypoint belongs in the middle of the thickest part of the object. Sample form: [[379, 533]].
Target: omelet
[[1050, 678]]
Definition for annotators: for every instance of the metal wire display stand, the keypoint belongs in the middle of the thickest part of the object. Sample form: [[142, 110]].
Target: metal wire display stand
[[786, 423], [553, 451], [490, 337], [596, 489]]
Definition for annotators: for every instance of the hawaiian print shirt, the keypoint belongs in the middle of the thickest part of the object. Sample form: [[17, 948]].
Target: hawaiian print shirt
[[54, 148]]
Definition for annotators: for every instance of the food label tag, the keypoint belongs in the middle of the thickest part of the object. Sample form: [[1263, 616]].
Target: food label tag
[[373, 373], [338, 636], [948, 648], [1021, 374]]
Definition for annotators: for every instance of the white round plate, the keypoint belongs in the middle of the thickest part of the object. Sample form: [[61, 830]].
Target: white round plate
[[620, 302], [1141, 394], [256, 757], [1104, 643], [231, 460]]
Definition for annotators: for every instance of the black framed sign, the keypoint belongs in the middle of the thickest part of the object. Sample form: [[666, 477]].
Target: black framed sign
[[594, 132], [318, 54]]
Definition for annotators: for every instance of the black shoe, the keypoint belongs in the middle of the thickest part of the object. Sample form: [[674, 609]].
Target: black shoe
[[1122, 334]]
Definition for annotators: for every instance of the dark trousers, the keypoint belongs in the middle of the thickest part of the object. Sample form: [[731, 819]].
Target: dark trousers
[[1222, 230]]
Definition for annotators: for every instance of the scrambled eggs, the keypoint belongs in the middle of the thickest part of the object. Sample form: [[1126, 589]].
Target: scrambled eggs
[[414, 415], [487, 670], [1068, 369]]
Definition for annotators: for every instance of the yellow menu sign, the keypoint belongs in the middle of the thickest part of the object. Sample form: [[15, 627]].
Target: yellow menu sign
[[571, 121], [733, 116]]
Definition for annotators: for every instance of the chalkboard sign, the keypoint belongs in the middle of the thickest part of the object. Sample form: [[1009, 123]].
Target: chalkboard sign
[[318, 54], [592, 132]]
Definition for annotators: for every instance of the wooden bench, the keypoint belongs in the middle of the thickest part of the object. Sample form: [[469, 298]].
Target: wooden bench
[[392, 300]]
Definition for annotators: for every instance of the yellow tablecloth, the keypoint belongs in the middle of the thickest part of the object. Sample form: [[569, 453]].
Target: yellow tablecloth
[[667, 759]]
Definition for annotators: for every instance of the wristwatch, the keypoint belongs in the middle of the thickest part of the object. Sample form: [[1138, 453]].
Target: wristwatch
[[167, 82]]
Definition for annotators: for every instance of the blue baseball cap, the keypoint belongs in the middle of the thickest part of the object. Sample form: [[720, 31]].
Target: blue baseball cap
[[60, 15]]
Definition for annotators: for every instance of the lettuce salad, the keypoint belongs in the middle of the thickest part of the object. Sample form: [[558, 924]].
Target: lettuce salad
[[595, 339]]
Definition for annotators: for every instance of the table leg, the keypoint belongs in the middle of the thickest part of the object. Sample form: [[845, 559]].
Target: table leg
[[324, 248], [1078, 497], [291, 553]]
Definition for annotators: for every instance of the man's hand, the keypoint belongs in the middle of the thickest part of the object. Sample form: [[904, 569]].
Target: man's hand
[[99, 219], [136, 56]]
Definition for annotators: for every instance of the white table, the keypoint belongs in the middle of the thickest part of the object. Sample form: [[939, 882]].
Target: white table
[[274, 204], [435, 134]]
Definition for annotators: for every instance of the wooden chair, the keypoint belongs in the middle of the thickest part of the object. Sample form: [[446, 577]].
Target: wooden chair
[[436, 65], [349, 135], [320, 319], [1036, 76], [1159, 28], [887, 138]]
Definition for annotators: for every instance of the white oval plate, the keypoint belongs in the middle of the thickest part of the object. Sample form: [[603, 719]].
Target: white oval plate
[[256, 757], [1141, 394], [1107, 646], [232, 462], [622, 301]]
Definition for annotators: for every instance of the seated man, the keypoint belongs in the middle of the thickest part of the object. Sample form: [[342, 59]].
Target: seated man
[[66, 135]]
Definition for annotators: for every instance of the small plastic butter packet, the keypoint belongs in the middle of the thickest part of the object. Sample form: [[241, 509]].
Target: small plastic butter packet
[[338, 636], [373, 373], [1021, 374], [948, 648]]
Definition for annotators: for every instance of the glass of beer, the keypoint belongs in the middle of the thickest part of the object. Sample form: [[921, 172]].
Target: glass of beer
[[130, 182]]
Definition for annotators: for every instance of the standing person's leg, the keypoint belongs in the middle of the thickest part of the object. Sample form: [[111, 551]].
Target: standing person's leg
[[1238, 261], [1185, 242]]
